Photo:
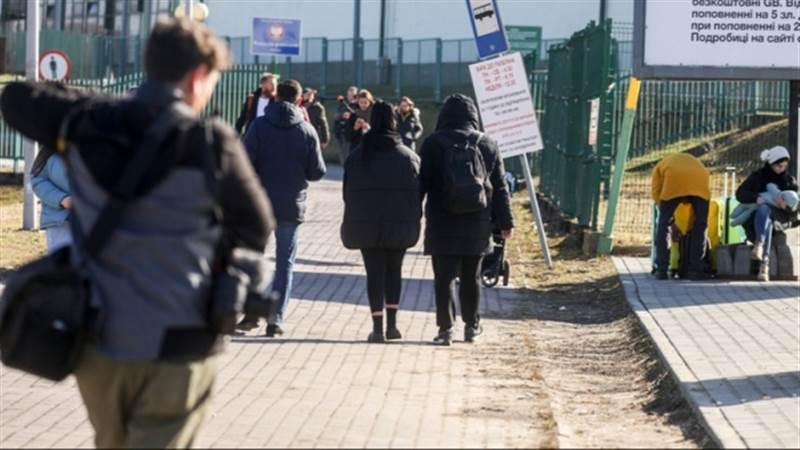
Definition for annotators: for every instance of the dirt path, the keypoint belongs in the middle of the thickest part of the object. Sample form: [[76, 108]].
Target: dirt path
[[605, 384]]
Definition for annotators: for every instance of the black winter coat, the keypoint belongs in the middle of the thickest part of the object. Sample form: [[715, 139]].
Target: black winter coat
[[248, 112], [757, 183], [410, 128], [381, 195], [353, 136], [285, 152], [462, 234]]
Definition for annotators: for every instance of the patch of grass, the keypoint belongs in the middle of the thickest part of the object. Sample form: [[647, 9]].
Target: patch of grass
[[17, 246]]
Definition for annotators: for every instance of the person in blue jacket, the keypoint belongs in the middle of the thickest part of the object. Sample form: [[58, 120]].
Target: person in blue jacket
[[50, 184], [285, 152]]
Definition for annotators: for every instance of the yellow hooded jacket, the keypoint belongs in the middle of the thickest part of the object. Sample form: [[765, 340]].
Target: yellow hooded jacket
[[680, 175]]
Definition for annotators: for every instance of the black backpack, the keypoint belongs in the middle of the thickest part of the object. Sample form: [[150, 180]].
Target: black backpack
[[465, 175]]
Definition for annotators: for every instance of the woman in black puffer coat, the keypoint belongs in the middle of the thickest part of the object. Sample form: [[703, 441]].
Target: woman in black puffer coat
[[382, 213]]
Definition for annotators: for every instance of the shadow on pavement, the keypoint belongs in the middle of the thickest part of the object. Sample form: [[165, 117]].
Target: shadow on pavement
[[734, 391]]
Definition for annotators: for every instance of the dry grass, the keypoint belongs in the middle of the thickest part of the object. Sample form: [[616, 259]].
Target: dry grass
[[16, 245]]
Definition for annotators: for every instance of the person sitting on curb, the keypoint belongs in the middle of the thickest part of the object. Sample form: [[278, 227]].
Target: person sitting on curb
[[773, 196], [681, 178], [760, 225]]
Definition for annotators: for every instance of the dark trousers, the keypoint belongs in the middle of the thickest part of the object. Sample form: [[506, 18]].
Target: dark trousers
[[384, 277], [666, 209], [445, 269]]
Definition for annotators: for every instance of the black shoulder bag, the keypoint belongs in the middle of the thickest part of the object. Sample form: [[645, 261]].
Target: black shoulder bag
[[46, 314]]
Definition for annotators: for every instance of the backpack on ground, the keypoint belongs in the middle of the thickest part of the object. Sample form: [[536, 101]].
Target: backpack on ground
[[465, 175]]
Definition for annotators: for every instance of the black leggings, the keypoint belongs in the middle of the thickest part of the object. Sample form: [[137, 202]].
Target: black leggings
[[384, 277], [446, 268]]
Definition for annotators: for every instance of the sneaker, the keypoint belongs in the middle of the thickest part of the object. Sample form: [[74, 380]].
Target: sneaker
[[392, 334], [763, 272], [445, 337], [758, 252], [247, 324], [274, 330], [661, 275], [376, 338], [471, 332]]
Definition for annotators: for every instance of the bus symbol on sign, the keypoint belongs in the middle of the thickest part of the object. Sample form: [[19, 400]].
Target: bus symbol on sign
[[483, 12], [490, 37]]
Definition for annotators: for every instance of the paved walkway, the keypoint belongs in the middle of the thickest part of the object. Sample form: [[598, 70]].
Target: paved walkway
[[322, 385], [734, 347]]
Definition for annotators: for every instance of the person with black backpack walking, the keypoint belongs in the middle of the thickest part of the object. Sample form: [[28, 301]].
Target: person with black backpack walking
[[140, 168], [382, 214], [463, 179]]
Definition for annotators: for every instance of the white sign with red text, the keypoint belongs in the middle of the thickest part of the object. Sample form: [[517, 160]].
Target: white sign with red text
[[506, 107]]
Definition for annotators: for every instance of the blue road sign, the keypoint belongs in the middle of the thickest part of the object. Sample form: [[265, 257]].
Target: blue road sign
[[490, 36], [276, 37]]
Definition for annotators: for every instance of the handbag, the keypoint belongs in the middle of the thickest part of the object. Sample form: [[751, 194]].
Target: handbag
[[46, 311]]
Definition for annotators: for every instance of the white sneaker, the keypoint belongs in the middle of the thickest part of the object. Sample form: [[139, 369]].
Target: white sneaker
[[763, 272], [758, 252]]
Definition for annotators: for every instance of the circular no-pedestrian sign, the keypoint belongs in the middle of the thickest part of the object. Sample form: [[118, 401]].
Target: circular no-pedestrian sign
[[54, 65]]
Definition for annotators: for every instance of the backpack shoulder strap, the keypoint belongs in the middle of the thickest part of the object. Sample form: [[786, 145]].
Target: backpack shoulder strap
[[111, 214]]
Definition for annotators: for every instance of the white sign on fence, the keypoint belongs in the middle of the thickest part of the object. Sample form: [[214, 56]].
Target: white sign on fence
[[594, 120], [506, 107], [749, 39]]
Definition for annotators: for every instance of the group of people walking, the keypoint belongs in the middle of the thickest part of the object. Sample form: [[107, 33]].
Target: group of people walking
[[385, 183], [461, 174]]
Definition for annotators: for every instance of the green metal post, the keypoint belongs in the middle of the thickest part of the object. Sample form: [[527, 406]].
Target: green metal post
[[606, 241], [323, 84], [437, 89], [398, 87]]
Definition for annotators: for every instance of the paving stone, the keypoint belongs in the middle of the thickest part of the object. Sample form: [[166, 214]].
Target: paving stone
[[736, 357], [320, 385]]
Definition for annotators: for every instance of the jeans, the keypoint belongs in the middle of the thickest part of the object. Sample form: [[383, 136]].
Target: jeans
[[666, 209], [384, 277], [285, 253], [445, 269], [763, 224], [58, 236]]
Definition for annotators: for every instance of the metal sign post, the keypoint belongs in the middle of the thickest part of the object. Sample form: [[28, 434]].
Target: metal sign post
[[537, 214], [30, 216]]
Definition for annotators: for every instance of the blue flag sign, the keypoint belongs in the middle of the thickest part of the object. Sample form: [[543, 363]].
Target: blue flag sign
[[490, 36], [276, 37]]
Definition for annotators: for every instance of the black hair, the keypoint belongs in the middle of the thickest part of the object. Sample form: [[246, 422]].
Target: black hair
[[289, 91], [382, 120], [41, 160]]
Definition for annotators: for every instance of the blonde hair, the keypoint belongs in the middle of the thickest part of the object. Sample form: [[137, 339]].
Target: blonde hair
[[407, 100], [366, 94]]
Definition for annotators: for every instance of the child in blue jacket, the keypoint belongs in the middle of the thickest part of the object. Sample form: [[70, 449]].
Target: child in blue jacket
[[50, 184]]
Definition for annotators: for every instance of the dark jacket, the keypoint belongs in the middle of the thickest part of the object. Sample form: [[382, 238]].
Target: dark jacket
[[410, 128], [354, 136], [341, 108], [757, 183], [285, 152], [248, 113], [316, 115], [381, 195], [153, 278], [461, 234]]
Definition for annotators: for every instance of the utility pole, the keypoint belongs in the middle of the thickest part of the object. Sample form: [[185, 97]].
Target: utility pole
[[357, 42], [30, 218], [603, 11], [382, 63], [189, 9], [794, 127]]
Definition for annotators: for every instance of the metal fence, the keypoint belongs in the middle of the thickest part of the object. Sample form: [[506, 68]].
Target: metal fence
[[572, 170]]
